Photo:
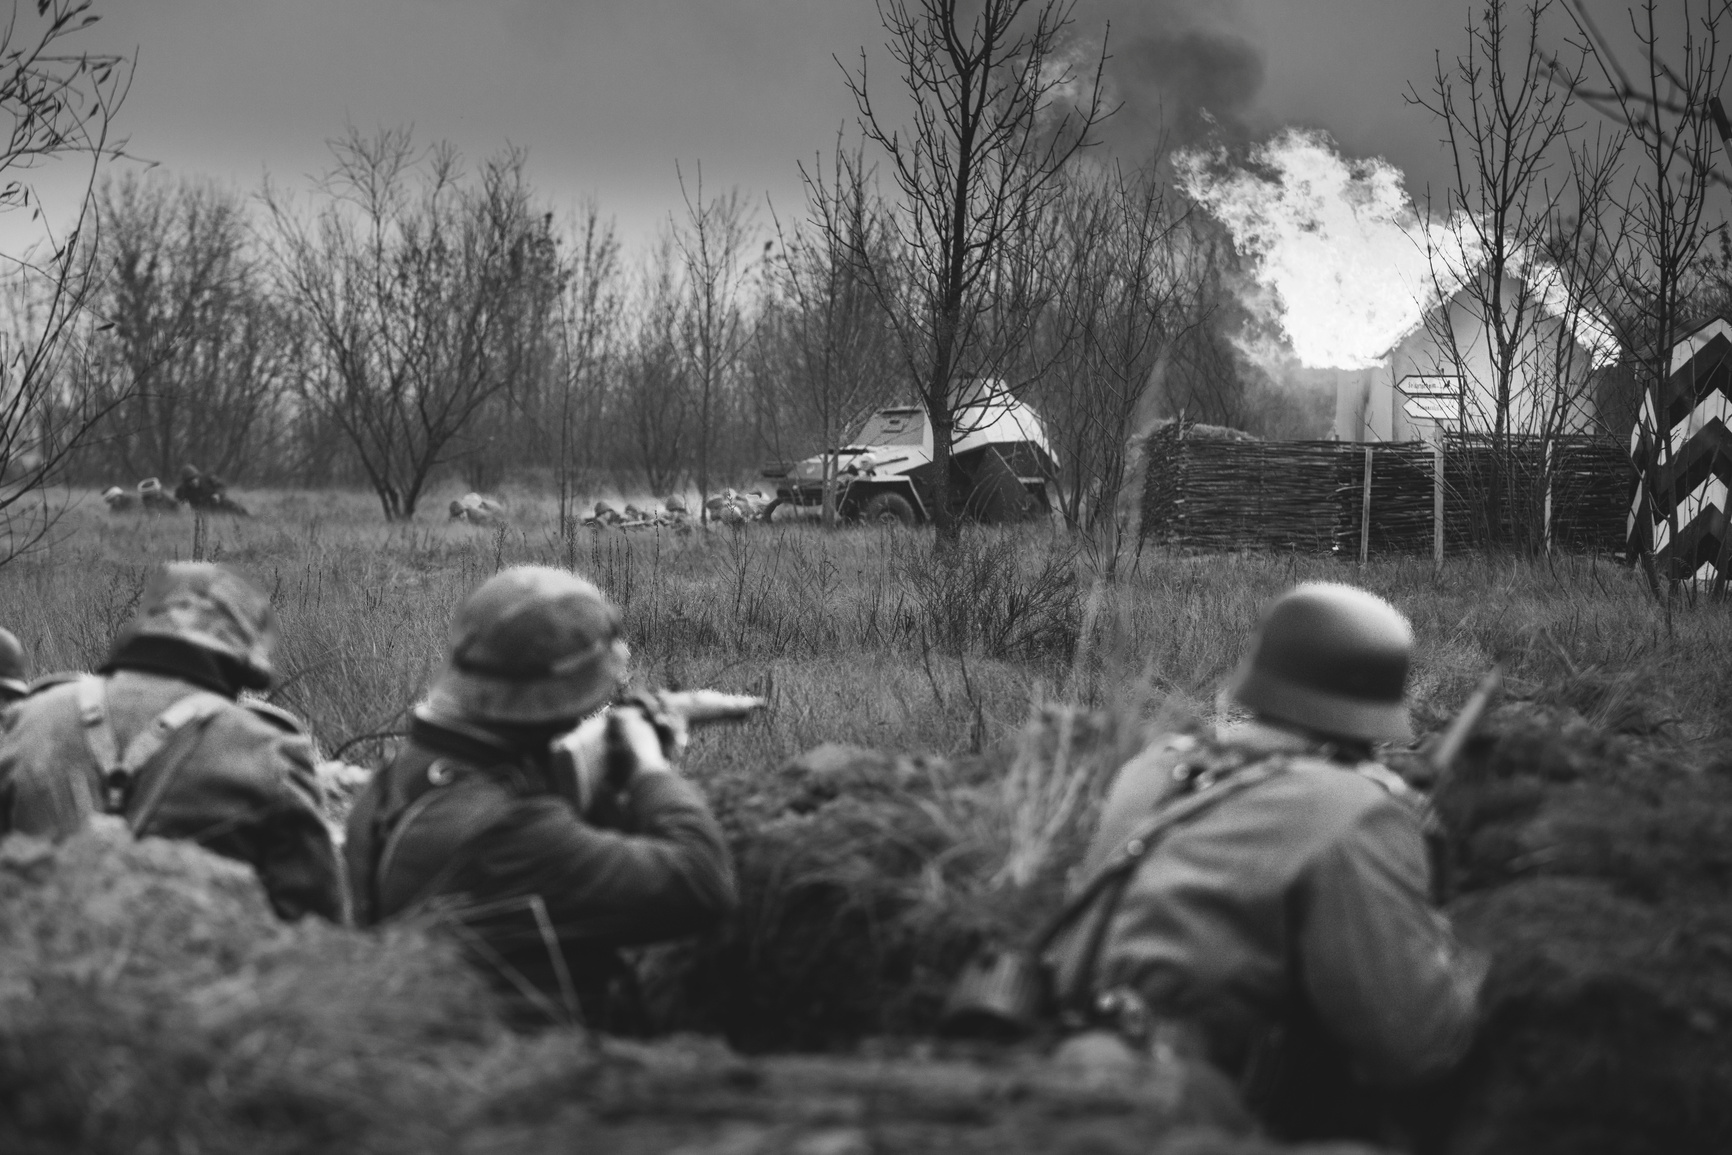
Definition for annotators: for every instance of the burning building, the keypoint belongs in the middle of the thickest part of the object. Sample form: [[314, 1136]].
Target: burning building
[[1390, 311], [1442, 373]]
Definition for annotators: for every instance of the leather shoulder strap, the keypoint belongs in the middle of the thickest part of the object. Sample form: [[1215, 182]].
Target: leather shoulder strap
[[1144, 839], [184, 719], [1108, 883], [165, 745]]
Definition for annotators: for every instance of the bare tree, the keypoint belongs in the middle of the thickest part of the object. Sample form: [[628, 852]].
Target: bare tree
[[60, 105], [198, 343], [712, 247], [997, 113], [510, 430], [412, 281], [1121, 302], [1657, 228], [591, 311], [1507, 314], [830, 344], [657, 392]]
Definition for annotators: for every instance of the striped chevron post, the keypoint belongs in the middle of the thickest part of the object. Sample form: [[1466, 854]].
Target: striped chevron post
[[1691, 480]]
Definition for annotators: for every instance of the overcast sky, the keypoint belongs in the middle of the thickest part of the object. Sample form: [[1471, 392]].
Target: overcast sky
[[607, 95]]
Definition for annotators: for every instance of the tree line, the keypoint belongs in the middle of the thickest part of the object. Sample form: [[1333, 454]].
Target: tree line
[[411, 315]]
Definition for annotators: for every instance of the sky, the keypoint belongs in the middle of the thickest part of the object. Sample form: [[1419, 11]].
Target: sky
[[608, 95]]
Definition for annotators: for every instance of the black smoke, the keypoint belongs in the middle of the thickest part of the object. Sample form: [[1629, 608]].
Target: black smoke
[[1178, 70]]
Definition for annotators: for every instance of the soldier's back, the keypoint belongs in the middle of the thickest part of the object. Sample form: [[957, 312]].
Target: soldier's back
[[242, 785]]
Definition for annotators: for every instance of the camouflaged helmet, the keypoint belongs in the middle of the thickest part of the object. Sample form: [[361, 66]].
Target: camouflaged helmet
[[211, 606], [14, 667], [675, 503], [1331, 659], [532, 645]]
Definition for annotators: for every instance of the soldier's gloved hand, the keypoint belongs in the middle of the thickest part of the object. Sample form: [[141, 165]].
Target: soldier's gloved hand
[[640, 738], [599, 759], [672, 727]]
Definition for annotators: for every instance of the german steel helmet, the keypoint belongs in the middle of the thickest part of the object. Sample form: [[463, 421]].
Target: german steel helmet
[[1331, 659], [675, 503], [210, 606], [14, 667], [532, 644]]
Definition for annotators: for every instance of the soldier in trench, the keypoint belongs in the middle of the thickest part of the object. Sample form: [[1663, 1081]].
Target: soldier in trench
[[544, 867], [1283, 931], [160, 738]]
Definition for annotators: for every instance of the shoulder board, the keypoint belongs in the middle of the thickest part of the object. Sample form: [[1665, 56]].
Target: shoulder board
[[275, 715], [1391, 782], [49, 681]]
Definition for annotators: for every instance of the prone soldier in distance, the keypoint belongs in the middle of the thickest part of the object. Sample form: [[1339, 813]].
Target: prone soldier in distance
[[545, 844], [153, 498], [1262, 899], [160, 737], [206, 491], [605, 515]]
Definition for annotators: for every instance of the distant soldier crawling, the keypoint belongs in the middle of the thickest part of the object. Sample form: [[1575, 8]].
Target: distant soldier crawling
[[604, 515], [14, 668], [1284, 930], [158, 737], [544, 879], [199, 489], [155, 499], [477, 510]]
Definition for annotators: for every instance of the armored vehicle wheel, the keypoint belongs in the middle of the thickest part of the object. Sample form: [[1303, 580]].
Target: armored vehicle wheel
[[887, 508]]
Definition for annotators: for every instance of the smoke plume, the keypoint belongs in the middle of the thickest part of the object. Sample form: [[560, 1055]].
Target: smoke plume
[[1341, 262], [1178, 68]]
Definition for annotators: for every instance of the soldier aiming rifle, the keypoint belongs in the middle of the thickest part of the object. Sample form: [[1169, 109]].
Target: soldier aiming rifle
[[547, 839]]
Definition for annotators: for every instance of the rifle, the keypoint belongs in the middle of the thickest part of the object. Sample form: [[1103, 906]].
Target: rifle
[[1441, 760], [599, 756], [1443, 753], [705, 707]]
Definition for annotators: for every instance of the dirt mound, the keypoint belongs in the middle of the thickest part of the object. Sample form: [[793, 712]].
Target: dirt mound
[[867, 880], [1599, 874], [151, 1001]]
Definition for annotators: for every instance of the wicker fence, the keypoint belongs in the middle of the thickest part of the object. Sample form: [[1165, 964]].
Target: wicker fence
[[1314, 495]]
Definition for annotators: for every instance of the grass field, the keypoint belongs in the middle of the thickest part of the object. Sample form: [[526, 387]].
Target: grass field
[[1004, 682]]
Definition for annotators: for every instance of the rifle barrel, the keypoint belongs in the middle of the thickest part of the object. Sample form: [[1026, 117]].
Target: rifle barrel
[[1448, 747]]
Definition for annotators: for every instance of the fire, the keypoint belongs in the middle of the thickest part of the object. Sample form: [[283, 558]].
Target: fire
[[1342, 262]]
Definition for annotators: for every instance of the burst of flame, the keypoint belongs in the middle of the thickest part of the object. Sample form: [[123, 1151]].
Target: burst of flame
[[1344, 262]]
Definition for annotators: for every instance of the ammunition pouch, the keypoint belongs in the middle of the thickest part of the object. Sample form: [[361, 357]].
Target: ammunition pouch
[[1002, 995]]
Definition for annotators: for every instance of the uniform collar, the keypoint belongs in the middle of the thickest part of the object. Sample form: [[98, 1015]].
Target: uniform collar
[[1259, 736], [175, 658]]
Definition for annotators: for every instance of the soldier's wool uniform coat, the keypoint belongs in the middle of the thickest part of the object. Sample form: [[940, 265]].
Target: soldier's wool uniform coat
[[1301, 901], [466, 825], [245, 787]]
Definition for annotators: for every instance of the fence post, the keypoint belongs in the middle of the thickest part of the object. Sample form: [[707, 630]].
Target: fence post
[[1437, 503], [1365, 512], [1547, 531]]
